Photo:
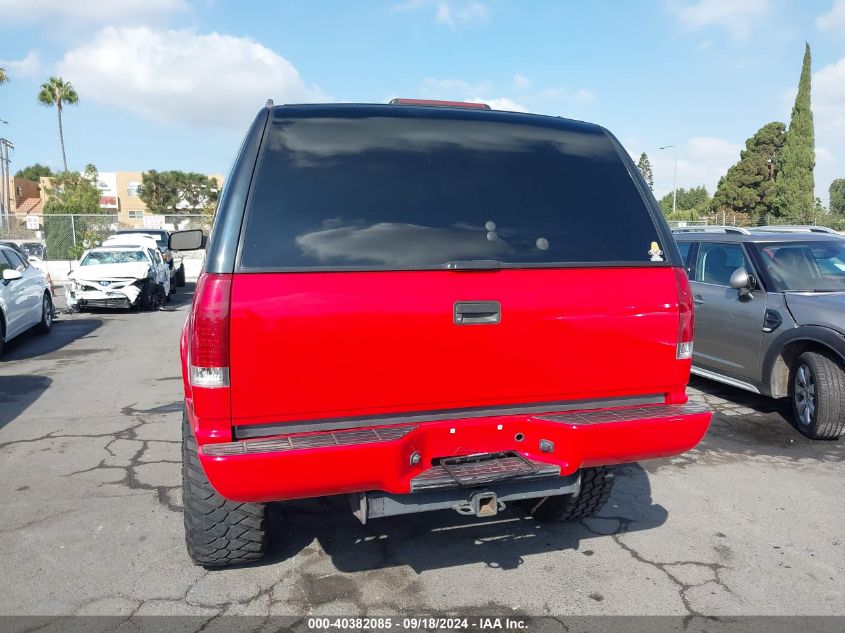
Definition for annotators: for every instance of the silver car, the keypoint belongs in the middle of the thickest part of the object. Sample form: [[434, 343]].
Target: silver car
[[770, 317]]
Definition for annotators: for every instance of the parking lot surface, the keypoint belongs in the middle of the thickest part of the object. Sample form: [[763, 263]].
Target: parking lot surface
[[751, 522]]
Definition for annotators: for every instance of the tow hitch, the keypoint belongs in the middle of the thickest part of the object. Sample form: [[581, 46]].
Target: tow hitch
[[482, 504]]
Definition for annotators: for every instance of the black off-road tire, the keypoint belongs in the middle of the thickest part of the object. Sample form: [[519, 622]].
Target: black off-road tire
[[46, 323], [180, 277], [152, 296], [218, 532], [827, 421], [596, 486]]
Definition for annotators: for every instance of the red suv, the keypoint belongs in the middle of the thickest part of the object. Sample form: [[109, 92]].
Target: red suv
[[428, 306]]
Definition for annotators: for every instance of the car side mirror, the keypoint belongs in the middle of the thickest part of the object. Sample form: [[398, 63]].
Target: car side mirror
[[192, 240], [10, 274], [741, 280]]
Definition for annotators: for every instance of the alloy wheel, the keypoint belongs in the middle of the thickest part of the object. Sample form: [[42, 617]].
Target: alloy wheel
[[805, 394]]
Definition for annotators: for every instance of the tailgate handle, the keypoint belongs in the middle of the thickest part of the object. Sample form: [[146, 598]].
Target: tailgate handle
[[477, 312]]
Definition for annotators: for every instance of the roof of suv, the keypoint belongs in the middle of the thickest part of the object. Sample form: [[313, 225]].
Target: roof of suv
[[425, 111], [710, 236]]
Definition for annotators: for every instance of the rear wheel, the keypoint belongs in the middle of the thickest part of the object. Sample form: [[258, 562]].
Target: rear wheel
[[218, 532], [818, 396], [46, 323], [596, 486]]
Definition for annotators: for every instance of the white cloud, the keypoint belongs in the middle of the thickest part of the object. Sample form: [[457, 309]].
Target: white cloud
[[824, 157], [552, 100], [26, 67], [833, 20], [179, 76], [736, 16], [96, 11], [585, 96], [828, 94], [450, 13], [502, 103], [521, 81], [701, 161]]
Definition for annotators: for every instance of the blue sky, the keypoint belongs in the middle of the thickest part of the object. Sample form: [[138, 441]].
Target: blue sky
[[173, 84]]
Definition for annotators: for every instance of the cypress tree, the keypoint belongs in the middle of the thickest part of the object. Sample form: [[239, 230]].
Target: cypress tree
[[644, 165], [747, 193], [795, 186]]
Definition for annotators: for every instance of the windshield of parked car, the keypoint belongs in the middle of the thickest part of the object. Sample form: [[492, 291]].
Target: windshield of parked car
[[413, 192], [34, 249], [113, 257], [806, 266]]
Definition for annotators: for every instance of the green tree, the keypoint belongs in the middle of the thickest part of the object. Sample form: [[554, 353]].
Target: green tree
[[72, 192], [691, 203], [176, 192], [748, 191], [644, 165], [34, 172], [837, 197], [795, 186], [56, 93], [73, 218]]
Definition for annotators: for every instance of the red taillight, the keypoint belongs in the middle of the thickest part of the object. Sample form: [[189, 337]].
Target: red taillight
[[686, 315], [209, 352], [440, 104]]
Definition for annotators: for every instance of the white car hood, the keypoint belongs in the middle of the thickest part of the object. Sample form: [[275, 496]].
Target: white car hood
[[129, 270]]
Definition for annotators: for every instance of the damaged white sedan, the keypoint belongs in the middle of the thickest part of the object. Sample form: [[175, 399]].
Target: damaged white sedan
[[119, 274]]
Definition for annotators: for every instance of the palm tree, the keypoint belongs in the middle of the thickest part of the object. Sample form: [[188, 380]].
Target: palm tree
[[3, 76], [57, 92]]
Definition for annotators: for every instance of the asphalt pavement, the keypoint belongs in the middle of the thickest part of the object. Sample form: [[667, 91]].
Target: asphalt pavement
[[750, 523]]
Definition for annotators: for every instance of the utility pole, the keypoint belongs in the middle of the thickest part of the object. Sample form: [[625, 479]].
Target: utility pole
[[5, 209], [675, 181]]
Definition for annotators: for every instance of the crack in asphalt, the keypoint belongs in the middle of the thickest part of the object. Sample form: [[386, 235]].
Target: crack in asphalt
[[683, 587], [130, 478]]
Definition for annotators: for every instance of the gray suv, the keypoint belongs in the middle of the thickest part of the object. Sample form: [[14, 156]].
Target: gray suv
[[770, 317]]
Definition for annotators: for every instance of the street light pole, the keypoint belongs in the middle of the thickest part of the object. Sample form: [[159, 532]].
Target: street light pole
[[675, 181]]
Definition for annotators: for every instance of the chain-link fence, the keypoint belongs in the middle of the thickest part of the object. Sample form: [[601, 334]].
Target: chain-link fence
[[66, 236]]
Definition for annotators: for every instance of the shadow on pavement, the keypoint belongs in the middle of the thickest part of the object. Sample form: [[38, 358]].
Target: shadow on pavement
[[434, 540], [49, 346], [17, 393]]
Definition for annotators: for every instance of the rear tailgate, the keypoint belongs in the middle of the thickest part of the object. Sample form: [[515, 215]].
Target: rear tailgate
[[326, 345]]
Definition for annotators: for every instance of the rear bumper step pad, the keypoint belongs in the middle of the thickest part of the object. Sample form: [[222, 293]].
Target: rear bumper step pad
[[476, 470]]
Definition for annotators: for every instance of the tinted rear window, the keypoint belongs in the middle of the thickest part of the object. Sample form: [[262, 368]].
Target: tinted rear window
[[386, 192]]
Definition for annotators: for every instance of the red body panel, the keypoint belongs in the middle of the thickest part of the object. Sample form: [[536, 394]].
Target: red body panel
[[324, 345], [318, 346], [386, 466]]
